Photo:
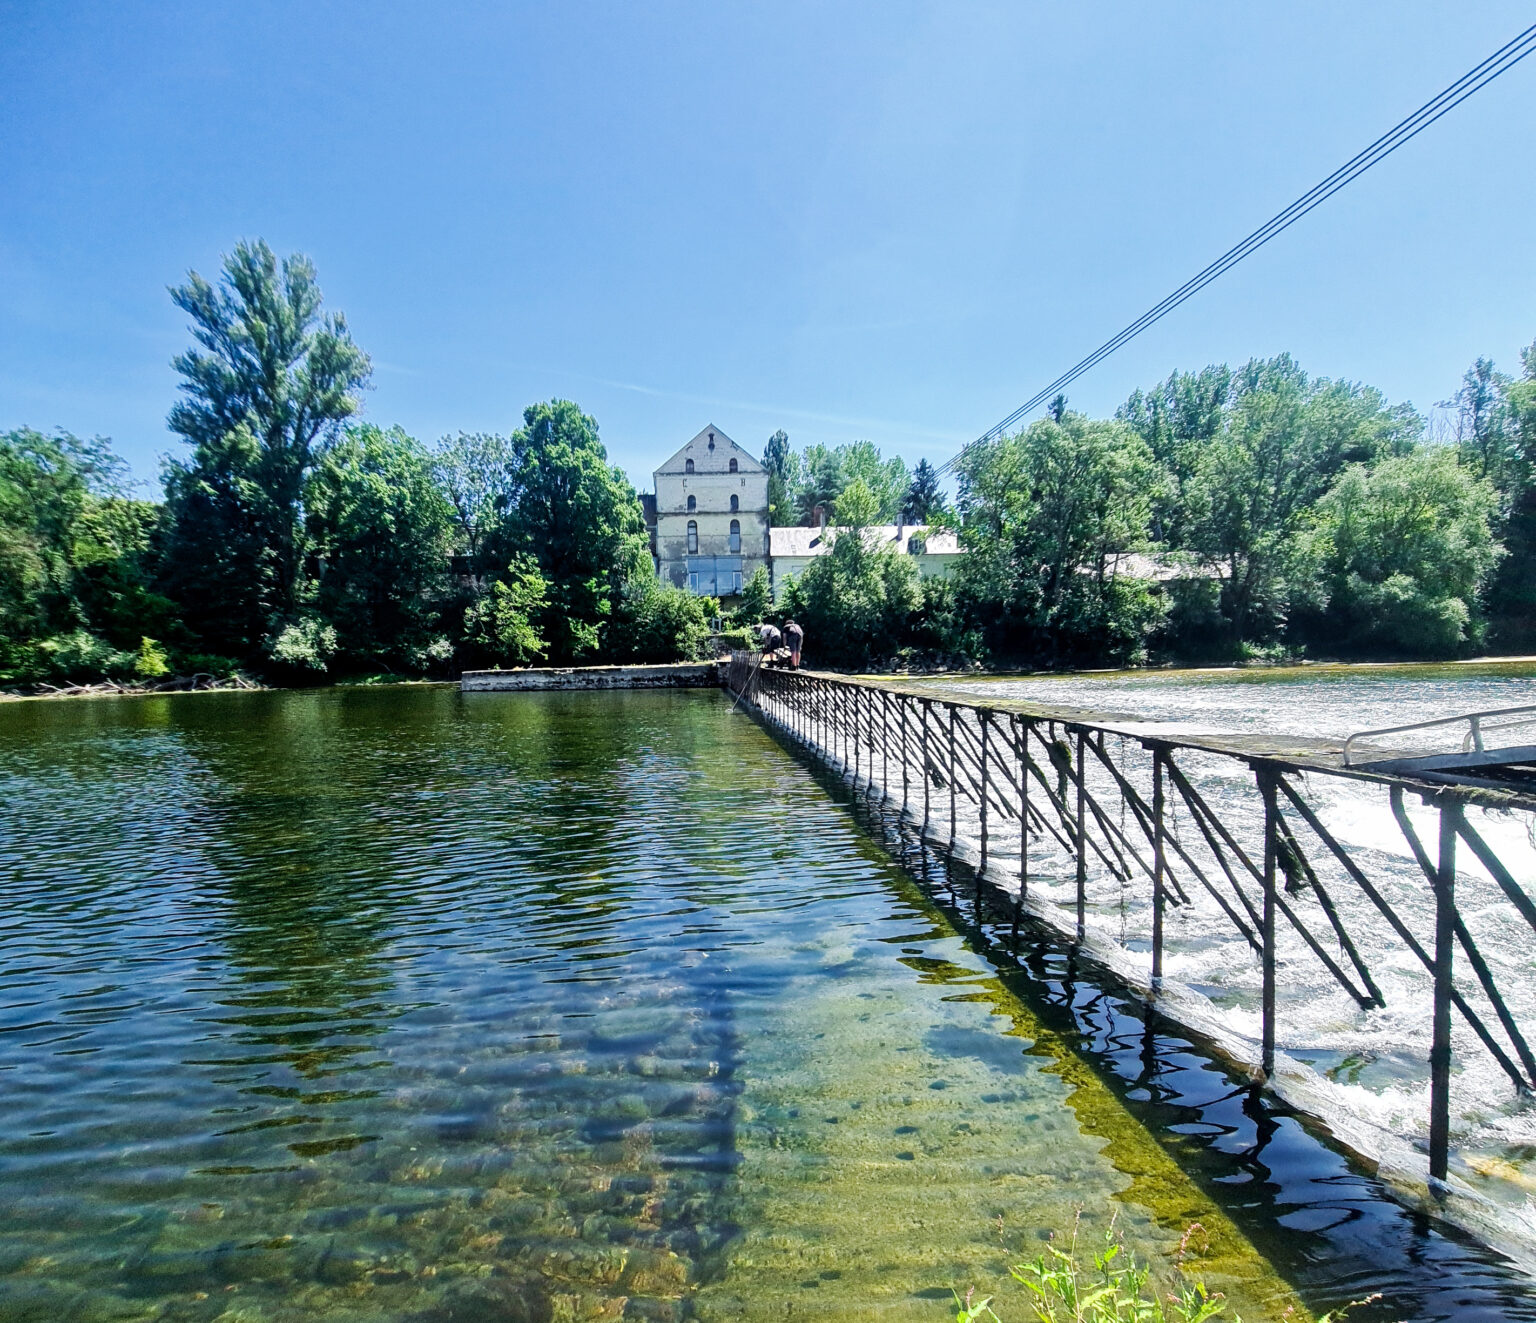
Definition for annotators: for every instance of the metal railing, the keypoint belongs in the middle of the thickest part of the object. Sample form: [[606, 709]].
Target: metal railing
[[1089, 813]]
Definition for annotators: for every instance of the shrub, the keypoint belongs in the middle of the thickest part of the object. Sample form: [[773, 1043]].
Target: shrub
[[658, 622], [80, 657], [304, 648], [151, 662]]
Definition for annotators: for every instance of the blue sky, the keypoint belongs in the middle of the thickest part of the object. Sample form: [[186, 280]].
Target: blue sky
[[891, 221]]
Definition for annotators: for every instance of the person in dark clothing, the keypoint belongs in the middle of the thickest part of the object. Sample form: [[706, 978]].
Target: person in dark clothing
[[794, 636]]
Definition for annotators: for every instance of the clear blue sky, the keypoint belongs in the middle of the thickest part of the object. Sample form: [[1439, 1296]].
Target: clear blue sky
[[893, 221]]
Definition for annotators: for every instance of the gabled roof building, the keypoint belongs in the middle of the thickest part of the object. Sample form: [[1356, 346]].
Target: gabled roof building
[[709, 531]]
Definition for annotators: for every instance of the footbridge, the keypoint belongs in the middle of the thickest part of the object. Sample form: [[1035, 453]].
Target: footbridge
[[1150, 849]]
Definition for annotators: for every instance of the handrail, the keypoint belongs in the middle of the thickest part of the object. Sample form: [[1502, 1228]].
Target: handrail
[[1475, 718]]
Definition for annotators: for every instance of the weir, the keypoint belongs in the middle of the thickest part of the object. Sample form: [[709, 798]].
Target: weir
[[1072, 818]]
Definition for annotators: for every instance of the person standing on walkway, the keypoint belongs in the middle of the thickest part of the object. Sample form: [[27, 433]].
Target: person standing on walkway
[[769, 636], [794, 636]]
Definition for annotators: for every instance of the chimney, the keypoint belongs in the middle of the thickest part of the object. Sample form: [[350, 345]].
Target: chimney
[[820, 515], [901, 525]]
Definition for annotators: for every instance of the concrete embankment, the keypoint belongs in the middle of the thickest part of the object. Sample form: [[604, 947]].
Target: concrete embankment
[[679, 675]]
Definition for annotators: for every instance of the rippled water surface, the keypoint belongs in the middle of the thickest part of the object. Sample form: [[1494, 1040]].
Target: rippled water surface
[[405, 1004]]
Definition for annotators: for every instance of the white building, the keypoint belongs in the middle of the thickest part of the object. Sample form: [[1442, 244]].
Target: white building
[[791, 549], [709, 530]]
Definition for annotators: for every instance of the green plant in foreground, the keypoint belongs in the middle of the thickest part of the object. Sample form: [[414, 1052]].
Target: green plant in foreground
[[1114, 1288]]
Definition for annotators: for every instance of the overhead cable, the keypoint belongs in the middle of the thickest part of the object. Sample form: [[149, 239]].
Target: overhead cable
[[1470, 82]]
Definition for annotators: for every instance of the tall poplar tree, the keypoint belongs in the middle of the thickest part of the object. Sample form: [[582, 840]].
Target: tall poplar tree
[[270, 380]]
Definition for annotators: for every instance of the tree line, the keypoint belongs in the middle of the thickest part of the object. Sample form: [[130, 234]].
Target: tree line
[[297, 542], [1224, 514]]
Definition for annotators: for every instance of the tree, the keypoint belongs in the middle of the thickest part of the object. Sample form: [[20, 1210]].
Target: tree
[[1483, 424], [857, 601], [1045, 517], [821, 481], [77, 559], [474, 471], [503, 627], [381, 527], [658, 622], [577, 517], [756, 597], [783, 467], [1283, 441], [273, 379], [1402, 551], [924, 498]]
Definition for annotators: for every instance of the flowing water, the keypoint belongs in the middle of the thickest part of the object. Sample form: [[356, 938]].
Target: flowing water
[[1375, 1062], [406, 1004]]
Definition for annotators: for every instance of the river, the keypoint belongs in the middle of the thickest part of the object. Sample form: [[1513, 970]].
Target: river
[[401, 1003]]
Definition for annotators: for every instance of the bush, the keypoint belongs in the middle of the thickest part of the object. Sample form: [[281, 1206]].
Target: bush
[[303, 649], [658, 622], [502, 626], [151, 662], [81, 657]]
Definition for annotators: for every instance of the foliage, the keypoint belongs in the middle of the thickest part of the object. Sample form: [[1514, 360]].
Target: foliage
[[1071, 1283], [80, 656], [783, 467], [271, 380], [924, 498], [824, 472], [659, 622], [1283, 440], [302, 649], [855, 603], [474, 469], [381, 527], [1402, 551], [503, 627], [756, 599], [578, 517], [1044, 518], [151, 663]]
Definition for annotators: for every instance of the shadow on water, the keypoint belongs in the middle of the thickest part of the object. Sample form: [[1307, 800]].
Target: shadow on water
[[1324, 1224]]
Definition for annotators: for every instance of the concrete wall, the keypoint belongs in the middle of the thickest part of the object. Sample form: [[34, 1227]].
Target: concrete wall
[[680, 675]]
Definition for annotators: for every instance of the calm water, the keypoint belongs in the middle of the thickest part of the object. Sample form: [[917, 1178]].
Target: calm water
[[402, 1004]]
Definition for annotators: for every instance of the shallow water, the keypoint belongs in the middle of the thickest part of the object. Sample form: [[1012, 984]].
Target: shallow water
[[403, 1003]]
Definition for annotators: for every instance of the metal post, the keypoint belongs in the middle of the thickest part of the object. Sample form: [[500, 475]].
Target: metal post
[[952, 761], [885, 745], [1159, 863], [926, 704], [901, 702], [1082, 841], [1022, 727], [982, 713], [1271, 857], [1445, 946]]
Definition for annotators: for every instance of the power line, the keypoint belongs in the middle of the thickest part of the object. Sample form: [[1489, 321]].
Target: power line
[[1476, 78]]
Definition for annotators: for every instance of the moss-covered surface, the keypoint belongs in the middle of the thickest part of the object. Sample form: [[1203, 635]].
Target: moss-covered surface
[[897, 1143]]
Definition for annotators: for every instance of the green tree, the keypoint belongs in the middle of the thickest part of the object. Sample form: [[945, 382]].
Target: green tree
[[856, 602], [783, 467], [474, 470], [924, 498], [271, 380], [381, 527], [821, 481], [1284, 439], [503, 627], [1402, 550], [1046, 517], [659, 622], [578, 517], [756, 597], [77, 558]]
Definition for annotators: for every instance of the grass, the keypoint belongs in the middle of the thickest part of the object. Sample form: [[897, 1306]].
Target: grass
[[1069, 1283]]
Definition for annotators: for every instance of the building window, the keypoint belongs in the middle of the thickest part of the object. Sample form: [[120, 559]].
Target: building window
[[693, 504], [733, 466], [687, 466], [711, 443], [736, 581], [735, 537], [693, 584], [735, 504], [693, 537]]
